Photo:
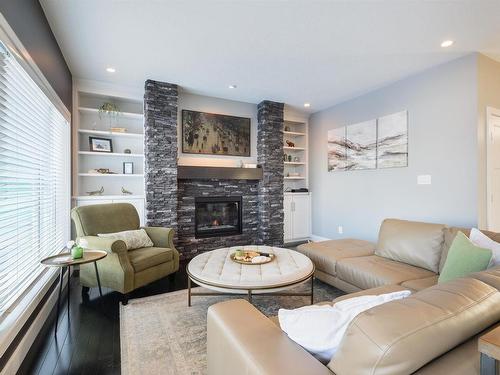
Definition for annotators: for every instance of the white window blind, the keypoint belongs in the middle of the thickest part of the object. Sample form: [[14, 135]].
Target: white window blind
[[34, 180]]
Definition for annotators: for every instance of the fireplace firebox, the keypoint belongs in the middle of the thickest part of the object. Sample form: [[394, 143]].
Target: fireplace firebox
[[217, 216]]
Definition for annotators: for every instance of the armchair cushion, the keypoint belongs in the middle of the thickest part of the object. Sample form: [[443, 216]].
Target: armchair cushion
[[104, 218], [134, 239], [148, 257]]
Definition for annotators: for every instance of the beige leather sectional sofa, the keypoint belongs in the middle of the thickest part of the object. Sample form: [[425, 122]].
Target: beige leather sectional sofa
[[434, 331]]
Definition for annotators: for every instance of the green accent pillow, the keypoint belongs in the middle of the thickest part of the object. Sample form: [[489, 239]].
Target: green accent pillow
[[464, 258]]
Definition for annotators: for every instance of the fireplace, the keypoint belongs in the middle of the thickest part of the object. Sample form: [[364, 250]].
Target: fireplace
[[217, 216]]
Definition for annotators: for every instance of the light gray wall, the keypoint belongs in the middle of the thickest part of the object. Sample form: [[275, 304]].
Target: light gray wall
[[442, 112], [222, 106]]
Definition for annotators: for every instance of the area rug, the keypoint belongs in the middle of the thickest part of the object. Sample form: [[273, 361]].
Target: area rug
[[162, 335]]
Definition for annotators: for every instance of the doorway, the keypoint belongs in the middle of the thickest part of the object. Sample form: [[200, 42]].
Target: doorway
[[493, 168]]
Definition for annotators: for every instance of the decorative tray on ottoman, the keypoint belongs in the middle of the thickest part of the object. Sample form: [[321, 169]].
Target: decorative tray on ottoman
[[247, 257]]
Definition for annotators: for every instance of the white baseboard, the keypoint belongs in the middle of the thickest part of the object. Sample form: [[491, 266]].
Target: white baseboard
[[319, 238]]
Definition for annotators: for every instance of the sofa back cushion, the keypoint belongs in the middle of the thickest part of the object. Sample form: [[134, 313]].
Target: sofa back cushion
[[402, 336], [411, 242]]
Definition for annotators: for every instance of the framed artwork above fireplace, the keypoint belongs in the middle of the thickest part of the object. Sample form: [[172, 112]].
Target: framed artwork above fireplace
[[215, 134]]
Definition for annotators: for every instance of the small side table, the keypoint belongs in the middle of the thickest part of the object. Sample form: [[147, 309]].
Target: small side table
[[64, 260], [489, 347]]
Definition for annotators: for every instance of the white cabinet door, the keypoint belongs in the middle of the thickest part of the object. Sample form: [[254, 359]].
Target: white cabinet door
[[138, 204], [287, 205], [301, 216]]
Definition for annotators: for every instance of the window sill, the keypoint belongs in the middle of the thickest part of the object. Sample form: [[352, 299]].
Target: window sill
[[15, 320]]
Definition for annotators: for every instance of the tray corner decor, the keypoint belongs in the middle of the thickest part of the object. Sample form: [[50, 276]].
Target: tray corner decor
[[249, 255]]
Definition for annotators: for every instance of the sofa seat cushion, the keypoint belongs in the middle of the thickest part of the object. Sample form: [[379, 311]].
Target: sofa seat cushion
[[148, 257], [420, 284], [326, 254], [374, 271]]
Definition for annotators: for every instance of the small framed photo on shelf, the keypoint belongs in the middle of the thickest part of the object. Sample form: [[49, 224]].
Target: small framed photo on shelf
[[128, 167], [100, 144]]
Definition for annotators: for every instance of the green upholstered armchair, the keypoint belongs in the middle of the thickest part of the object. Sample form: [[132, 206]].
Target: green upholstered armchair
[[123, 270]]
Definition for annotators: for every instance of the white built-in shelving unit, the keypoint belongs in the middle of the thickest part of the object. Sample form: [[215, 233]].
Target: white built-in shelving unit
[[297, 206], [87, 122], [295, 158]]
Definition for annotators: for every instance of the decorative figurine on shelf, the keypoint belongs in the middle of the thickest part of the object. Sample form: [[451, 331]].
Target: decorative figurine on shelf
[[289, 158], [287, 128], [100, 171], [285, 157], [127, 151], [125, 191], [290, 143], [96, 192], [296, 159], [118, 129]]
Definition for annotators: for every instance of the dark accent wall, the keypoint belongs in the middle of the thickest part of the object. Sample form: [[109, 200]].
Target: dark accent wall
[[27, 19], [270, 157], [160, 149]]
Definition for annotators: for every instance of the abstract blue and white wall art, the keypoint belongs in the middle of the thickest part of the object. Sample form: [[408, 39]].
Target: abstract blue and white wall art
[[380, 143], [392, 143], [337, 149], [361, 145]]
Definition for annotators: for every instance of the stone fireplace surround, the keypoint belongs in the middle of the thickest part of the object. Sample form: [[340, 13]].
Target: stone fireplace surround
[[170, 201]]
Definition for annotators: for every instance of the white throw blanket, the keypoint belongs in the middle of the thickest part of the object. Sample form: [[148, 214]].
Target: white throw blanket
[[319, 329]]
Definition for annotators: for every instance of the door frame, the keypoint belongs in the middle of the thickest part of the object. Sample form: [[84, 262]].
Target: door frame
[[490, 113]]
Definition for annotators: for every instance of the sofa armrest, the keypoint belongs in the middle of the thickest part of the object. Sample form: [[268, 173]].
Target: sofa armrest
[[161, 237], [241, 340], [107, 244]]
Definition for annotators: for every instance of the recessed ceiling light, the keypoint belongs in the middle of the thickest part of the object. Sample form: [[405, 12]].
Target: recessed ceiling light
[[110, 70], [232, 86], [447, 43], [307, 105]]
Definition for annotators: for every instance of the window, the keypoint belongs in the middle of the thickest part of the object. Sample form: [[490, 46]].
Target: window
[[34, 180]]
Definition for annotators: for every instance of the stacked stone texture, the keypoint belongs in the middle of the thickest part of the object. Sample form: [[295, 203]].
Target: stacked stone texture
[[170, 203], [270, 157], [187, 244], [160, 150]]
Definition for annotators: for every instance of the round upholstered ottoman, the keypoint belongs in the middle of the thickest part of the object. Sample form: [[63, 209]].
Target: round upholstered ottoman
[[215, 270]]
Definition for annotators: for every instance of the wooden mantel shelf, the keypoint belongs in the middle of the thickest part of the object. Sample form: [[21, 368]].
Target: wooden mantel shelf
[[185, 172]]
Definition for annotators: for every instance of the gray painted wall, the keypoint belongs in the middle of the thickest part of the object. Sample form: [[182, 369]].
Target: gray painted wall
[[442, 111], [28, 21]]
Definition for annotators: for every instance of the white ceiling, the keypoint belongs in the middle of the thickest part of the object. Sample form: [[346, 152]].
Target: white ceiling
[[322, 52]]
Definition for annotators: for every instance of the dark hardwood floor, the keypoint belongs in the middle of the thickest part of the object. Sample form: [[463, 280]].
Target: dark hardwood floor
[[88, 338]]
